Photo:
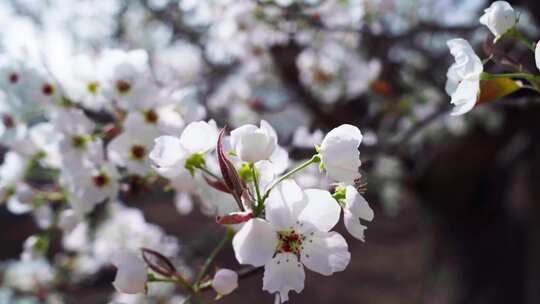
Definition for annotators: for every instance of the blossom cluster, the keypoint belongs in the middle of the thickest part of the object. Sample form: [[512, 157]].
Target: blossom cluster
[[466, 76], [103, 134], [148, 137], [87, 127]]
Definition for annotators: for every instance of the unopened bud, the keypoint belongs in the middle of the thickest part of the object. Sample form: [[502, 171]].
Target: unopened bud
[[225, 281]]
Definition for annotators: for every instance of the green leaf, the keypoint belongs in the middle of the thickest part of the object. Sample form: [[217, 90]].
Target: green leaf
[[193, 162]]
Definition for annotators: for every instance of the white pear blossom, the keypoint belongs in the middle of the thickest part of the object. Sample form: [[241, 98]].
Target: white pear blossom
[[252, 144], [295, 233], [125, 78], [165, 119], [40, 88], [463, 84], [170, 153], [130, 149], [17, 274], [356, 208], [225, 281], [339, 153], [91, 185], [77, 145], [131, 275], [499, 18], [11, 73], [123, 221], [84, 85], [47, 139]]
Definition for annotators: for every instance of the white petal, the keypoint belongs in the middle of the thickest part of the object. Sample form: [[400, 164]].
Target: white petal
[[270, 132], [467, 62], [131, 275], [167, 151], [254, 147], [255, 243], [284, 204], [465, 96], [353, 225], [357, 204], [239, 132], [198, 137], [282, 274], [345, 131], [321, 210], [537, 55], [279, 160], [326, 253], [253, 144]]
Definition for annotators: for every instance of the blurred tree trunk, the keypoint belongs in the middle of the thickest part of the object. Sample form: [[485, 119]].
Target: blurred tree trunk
[[482, 191]]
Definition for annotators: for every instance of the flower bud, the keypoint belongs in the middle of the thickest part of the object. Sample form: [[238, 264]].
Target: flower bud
[[225, 281], [253, 144], [131, 275], [339, 153], [499, 18]]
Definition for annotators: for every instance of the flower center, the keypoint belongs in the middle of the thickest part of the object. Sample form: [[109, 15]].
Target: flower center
[[101, 180], [151, 116], [123, 86], [8, 121], [138, 152], [290, 241], [321, 76], [78, 142], [92, 87], [47, 89], [13, 78]]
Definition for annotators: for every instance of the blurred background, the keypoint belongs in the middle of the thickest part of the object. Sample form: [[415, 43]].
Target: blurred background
[[457, 199]]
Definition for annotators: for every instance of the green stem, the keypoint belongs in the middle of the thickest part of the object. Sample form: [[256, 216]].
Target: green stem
[[177, 279], [154, 279], [313, 160], [205, 170], [228, 236], [205, 285], [49, 196], [515, 34], [260, 202]]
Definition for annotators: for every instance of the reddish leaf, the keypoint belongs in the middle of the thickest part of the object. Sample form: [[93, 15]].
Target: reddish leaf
[[158, 262], [494, 89], [217, 184], [234, 218], [229, 173]]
